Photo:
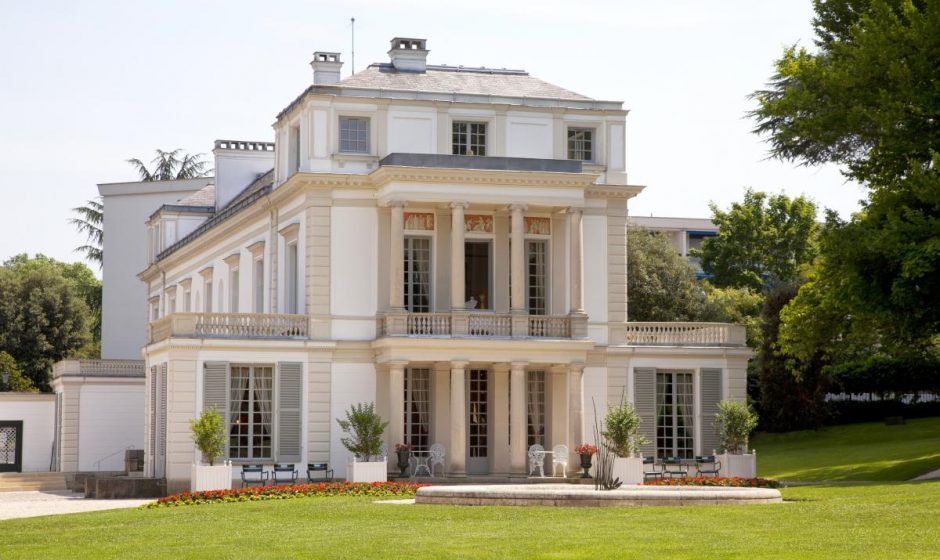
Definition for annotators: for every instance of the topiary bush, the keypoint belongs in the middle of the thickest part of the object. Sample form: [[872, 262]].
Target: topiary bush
[[209, 434]]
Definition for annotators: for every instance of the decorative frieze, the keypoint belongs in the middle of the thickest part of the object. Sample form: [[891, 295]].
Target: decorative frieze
[[419, 221], [478, 223], [535, 225]]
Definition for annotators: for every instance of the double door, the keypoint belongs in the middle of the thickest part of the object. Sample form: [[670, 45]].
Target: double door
[[478, 422]]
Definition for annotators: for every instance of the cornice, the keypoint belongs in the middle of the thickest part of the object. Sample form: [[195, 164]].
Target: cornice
[[391, 173], [613, 191]]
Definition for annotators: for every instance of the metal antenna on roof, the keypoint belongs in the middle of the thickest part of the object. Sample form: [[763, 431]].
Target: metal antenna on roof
[[352, 23]]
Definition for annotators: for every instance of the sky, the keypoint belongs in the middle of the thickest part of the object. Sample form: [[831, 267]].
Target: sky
[[86, 85]]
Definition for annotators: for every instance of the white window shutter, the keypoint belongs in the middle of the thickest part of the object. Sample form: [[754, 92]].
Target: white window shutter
[[289, 421], [710, 394], [644, 399], [215, 392]]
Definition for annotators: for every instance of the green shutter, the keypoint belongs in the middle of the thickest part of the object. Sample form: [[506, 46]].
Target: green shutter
[[289, 423], [215, 391], [644, 399], [710, 395]]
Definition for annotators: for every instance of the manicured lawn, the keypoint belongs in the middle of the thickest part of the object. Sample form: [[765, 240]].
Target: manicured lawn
[[874, 452], [846, 521]]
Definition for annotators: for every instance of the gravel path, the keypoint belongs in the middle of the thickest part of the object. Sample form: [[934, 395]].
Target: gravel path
[[14, 505], [932, 475]]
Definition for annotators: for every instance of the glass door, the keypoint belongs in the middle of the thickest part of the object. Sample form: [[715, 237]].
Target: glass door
[[478, 422], [675, 411]]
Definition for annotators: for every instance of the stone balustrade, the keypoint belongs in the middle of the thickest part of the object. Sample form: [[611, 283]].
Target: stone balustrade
[[229, 325], [482, 324], [685, 334], [98, 368]]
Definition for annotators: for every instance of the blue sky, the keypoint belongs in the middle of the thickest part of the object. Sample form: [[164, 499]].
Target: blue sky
[[87, 85]]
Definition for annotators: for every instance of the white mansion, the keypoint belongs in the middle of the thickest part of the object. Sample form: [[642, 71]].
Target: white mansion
[[446, 242]]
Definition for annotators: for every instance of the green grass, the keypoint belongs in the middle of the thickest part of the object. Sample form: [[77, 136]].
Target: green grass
[[845, 521], [872, 452]]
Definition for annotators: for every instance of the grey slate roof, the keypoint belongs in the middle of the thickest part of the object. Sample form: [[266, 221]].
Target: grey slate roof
[[451, 79], [203, 197]]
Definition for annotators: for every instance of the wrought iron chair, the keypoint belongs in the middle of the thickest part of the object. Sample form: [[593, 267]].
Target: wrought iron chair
[[675, 467], [649, 469], [284, 473], [253, 474], [707, 465], [537, 459], [319, 467], [560, 457], [436, 457]]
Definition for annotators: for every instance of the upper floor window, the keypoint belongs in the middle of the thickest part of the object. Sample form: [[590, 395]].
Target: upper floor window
[[418, 274], [354, 135], [469, 139], [581, 144], [291, 280], [233, 290], [536, 261], [258, 285]]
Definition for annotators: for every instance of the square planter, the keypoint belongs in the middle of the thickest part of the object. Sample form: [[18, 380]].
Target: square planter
[[743, 466], [374, 471], [204, 477], [628, 469]]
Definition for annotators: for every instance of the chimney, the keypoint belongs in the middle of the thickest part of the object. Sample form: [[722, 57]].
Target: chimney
[[326, 67], [409, 55]]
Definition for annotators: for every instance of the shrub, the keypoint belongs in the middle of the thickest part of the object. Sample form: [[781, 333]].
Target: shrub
[[622, 430], [364, 429], [734, 421], [288, 491], [724, 481], [209, 434], [17, 382]]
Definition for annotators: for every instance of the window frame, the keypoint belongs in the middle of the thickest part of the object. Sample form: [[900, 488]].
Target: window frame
[[291, 281], [569, 150], [272, 435], [257, 272], [412, 433], [467, 136], [407, 255], [368, 135], [672, 428]]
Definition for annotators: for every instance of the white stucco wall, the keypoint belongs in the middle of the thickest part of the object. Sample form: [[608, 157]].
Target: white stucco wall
[[350, 384], [111, 420], [353, 271], [37, 412]]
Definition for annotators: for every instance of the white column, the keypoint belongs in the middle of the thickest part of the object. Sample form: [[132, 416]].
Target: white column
[[517, 259], [458, 297], [396, 285], [458, 419], [576, 284], [518, 443], [396, 404], [576, 405]]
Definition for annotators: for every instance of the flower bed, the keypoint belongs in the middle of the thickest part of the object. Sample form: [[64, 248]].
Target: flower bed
[[288, 491], [726, 481]]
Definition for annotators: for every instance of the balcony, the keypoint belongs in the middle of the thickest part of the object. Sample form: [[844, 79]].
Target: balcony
[[229, 325], [481, 324], [685, 334]]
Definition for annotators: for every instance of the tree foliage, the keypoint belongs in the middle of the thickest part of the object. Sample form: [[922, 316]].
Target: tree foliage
[[762, 239], [17, 382], [208, 432], [661, 284], [44, 316], [363, 428], [622, 430], [735, 421], [171, 165], [90, 223]]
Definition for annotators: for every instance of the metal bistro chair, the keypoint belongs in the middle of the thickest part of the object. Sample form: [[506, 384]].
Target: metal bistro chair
[[707, 465], [649, 469], [284, 473], [319, 467], [253, 474], [560, 457], [537, 459], [675, 467], [437, 457]]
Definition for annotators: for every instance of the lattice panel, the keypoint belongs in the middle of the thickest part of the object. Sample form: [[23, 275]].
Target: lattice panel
[[7, 445]]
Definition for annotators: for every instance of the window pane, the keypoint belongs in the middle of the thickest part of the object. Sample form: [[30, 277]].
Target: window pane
[[354, 135], [417, 274], [250, 412], [469, 139], [581, 144], [417, 408], [535, 408], [535, 276]]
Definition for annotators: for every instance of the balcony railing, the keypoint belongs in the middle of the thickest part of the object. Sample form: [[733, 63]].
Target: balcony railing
[[481, 324], [685, 334], [229, 325], [98, 368]]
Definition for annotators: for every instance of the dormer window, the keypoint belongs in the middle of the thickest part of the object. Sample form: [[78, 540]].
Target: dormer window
[[469, 139], [354, 135], [581, 144]]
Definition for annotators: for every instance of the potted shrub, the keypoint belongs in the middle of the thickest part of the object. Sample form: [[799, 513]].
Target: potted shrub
[[363, 429], [585, 451], [734, 422], [403, 451], [623, 439], [208, 434]]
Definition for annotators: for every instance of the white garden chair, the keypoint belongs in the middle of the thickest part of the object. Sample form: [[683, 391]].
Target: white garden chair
[[537, 459], [560, 457], [436, 457]]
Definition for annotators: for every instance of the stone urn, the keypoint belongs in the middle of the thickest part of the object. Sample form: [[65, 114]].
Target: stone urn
[[586, 464], [404, 458]]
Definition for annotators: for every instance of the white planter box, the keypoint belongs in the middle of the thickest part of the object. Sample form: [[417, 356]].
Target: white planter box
[[744, 466], [376, 471], [204, 477], [629, 470]]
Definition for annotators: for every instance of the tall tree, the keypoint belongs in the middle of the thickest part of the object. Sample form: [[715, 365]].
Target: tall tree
[[760, 239], [90, 223], [661, 284], [170, 165]]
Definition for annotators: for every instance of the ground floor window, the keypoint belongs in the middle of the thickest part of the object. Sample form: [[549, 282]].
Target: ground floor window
[[417, 408], [535, 405], [675, 411], [250, 412], [478, 426]]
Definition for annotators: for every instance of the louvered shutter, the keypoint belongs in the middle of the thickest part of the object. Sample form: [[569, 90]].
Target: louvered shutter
[[709, 388], [290, 387], [215, 392], [154, 400], [161, 434], [644, 399]]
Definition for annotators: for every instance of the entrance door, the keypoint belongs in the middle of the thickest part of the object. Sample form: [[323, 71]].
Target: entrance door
[[478, 437], [11, 445], [477, 280]]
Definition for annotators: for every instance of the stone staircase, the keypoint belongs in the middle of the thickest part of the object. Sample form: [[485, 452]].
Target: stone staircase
[[25, 482]]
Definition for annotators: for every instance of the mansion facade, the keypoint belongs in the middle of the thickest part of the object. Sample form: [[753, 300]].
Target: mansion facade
[[448, 243]]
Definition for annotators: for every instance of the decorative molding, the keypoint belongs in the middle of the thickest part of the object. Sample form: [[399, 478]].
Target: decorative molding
[[290, 231], [389, 173], [232, 260], [206, 272], [419, 221], [612, 191], [478, 223], [536, 225], [256, 248]]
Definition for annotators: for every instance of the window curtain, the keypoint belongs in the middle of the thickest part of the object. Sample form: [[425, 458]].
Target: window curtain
[[263, 396], [536, 407], [422, 273]]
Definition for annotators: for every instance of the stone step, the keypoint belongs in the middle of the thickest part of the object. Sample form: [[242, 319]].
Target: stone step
[[24, 482]]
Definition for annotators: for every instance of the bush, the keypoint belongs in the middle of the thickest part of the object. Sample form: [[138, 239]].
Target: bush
[[735, 422], [288, 491], [622, 430], [17, 382], [723, 481], [209, 434], [364, 428]]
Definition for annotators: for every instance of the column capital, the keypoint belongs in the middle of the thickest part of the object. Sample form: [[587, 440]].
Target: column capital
[[459, 364], [397, 203], [518, 207], [575, 210], [576, 367], [559, 368], [519, 365], [459, 204], [500, 367], [397, 364]]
